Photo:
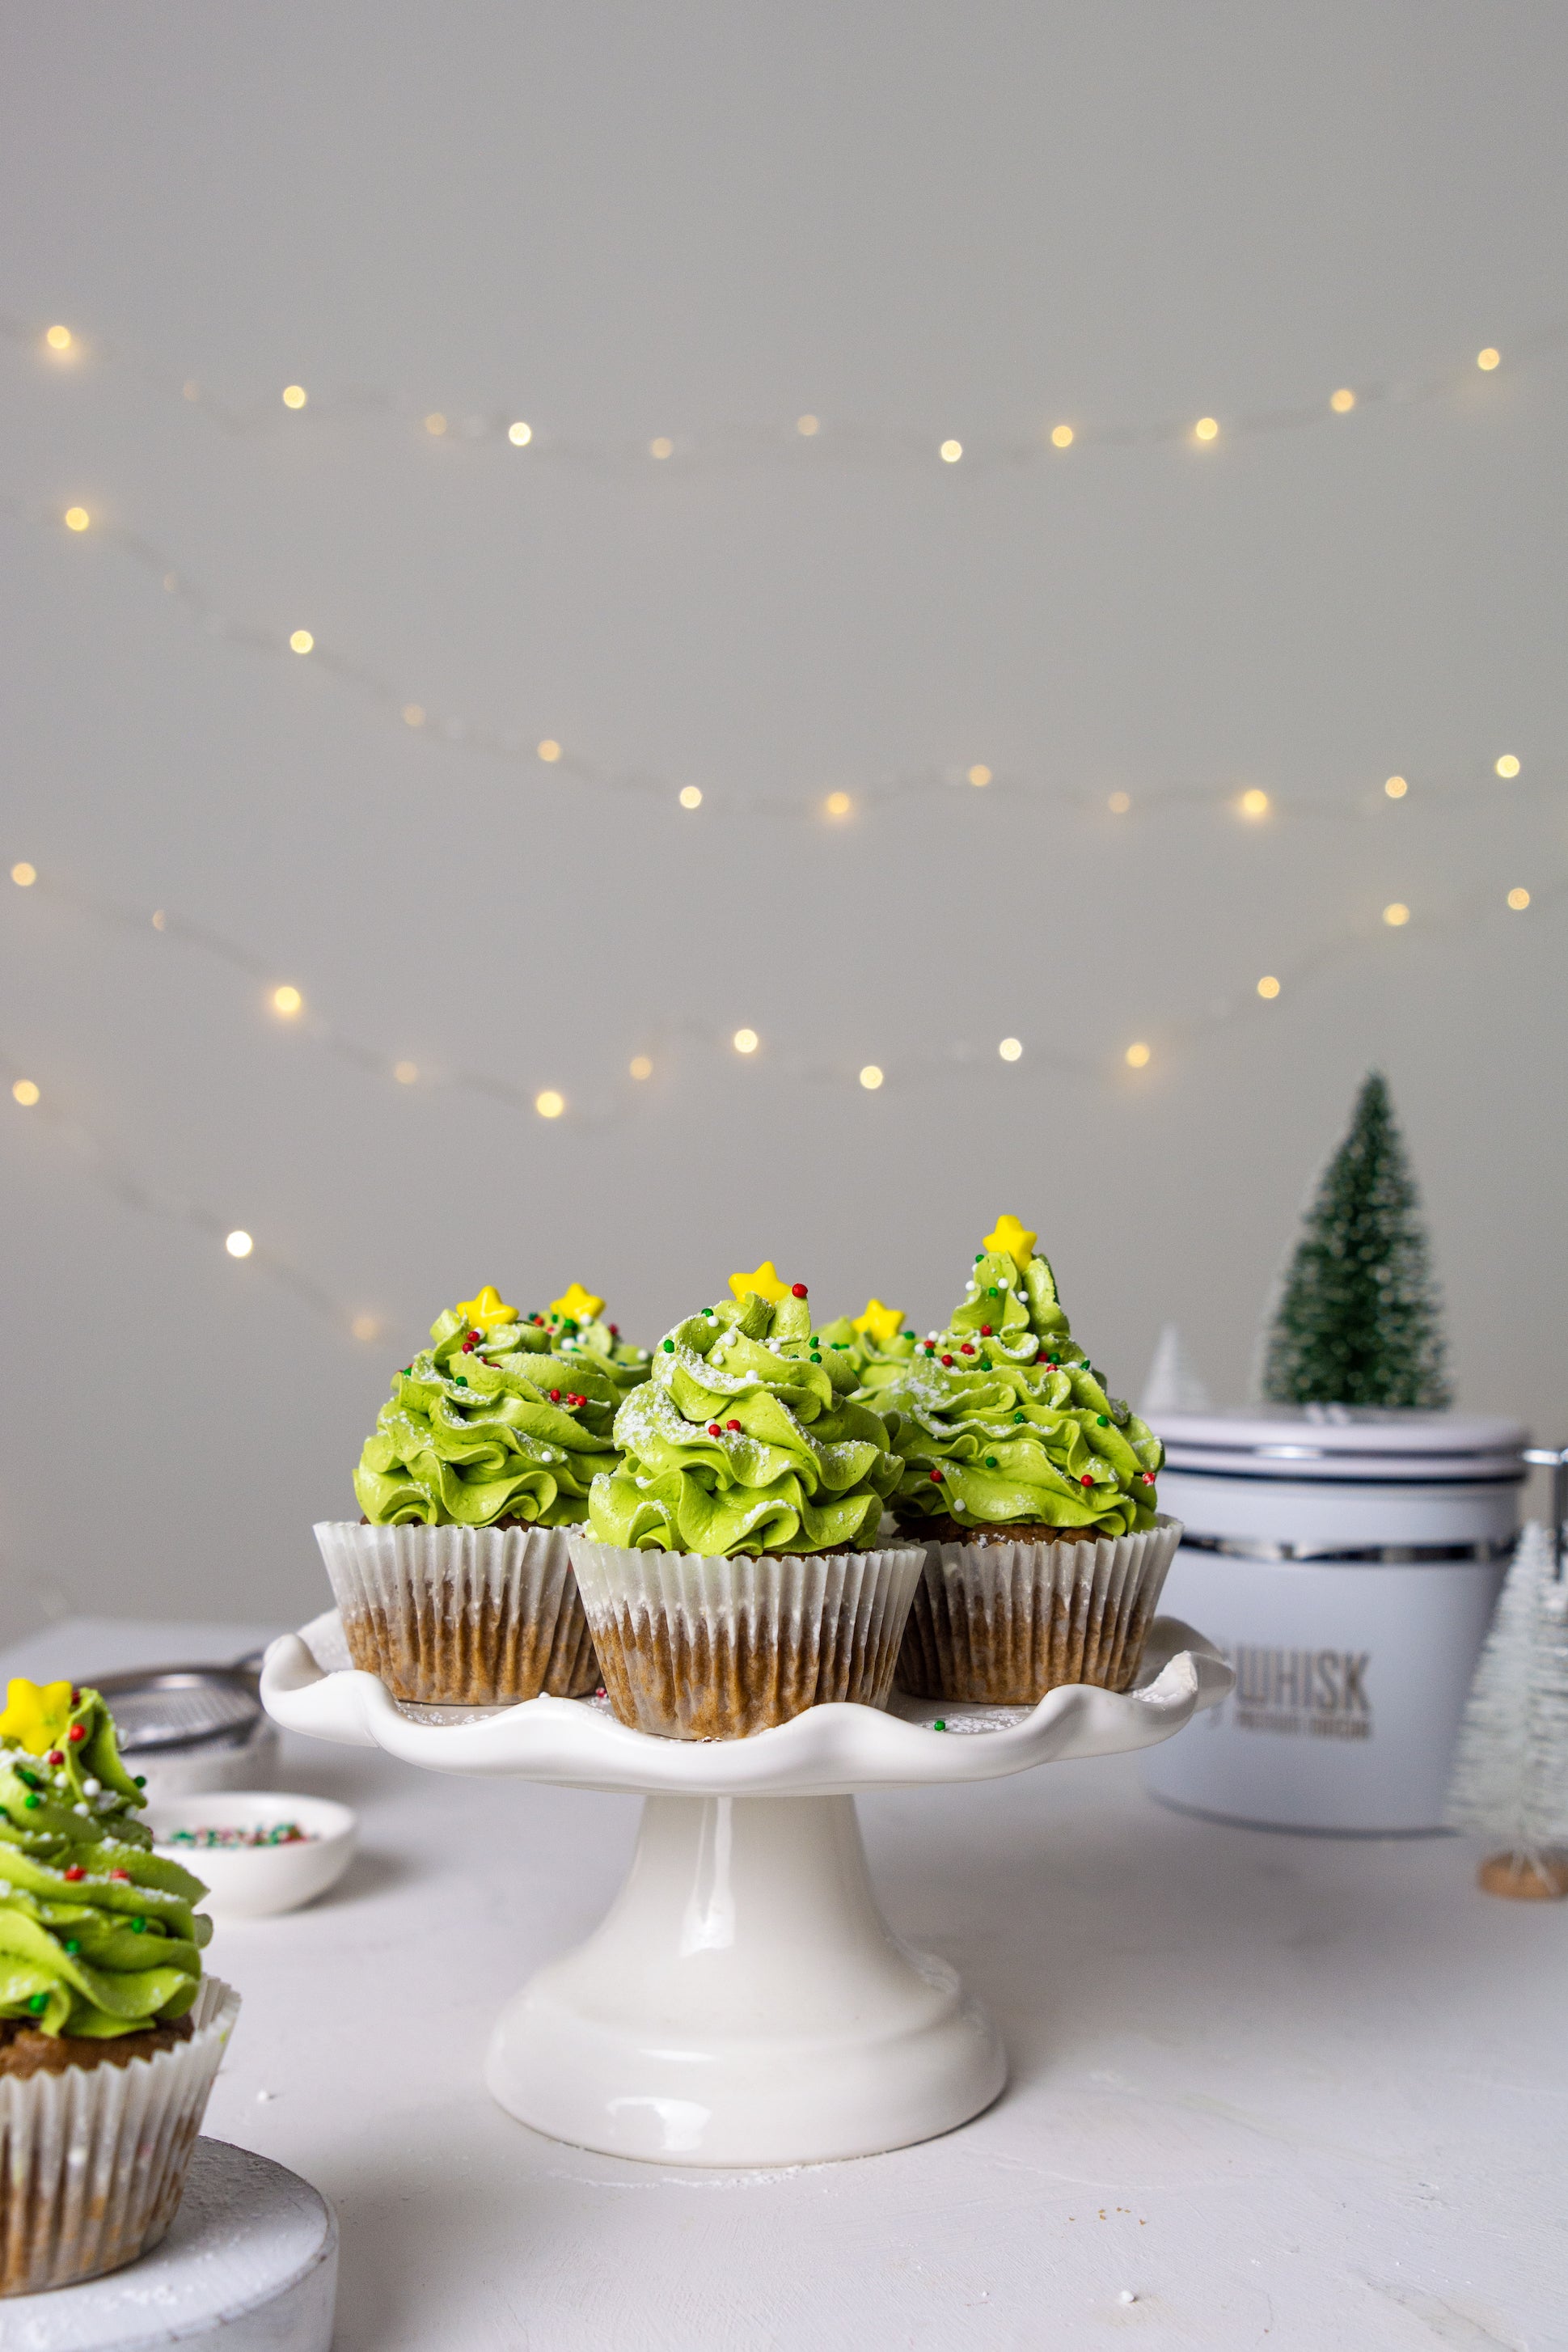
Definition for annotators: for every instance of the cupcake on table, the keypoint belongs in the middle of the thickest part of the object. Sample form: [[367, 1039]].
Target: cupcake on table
[[731, 1567], [457, 1588], [109, 2034], [1034, 1491]]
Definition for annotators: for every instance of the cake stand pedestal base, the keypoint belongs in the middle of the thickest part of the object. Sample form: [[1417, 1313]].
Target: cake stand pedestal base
[[745, 2003]]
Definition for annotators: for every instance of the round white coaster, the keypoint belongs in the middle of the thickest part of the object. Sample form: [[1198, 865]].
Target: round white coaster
[[251, 2265]]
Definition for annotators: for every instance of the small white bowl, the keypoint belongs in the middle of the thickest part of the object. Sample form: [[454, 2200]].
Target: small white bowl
[[249, 1882]]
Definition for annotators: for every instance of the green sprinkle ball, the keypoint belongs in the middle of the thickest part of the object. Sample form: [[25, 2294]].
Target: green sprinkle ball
[[669, 1347], [993, 1292], [991, 1460], [1102, 1420], [38, 2003], [31, 1803], [72, 1947], [1018, 1416], [940, 1724], [139, 1927]]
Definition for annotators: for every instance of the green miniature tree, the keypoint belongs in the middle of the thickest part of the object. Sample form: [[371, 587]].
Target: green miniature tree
[[1359, 1319]]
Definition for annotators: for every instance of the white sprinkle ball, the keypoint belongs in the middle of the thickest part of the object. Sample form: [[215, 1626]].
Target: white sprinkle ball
[[263, 2096], [1126, 2296], [92, 1787], [82, 1810]]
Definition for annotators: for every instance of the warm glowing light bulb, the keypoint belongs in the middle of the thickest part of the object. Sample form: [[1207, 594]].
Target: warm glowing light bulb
[[1396, 914], [287, 1001], [413, 714], [980, 773], [295, 395], [661, 448], [24, 1091], [519, 434], [951, 452], [640, 1066], [1254, 803], [1137, 1057], [1119, 803], [1061, 436], [1508, 765], [1397, 788], [160, 920], [1342, 401], [1518, 900], [436, 422], [1268, 987], [1009, 1049], [1486, 361], [549, 750], [1207, 428], [60, 339], [838, 804], [808, 426], [301, 641], [239, 1243], [23, 875], [77, 518], [365, 1327], [691, 796], [746, 1041], [549, 1104], [871, 1078], [405, 1073]]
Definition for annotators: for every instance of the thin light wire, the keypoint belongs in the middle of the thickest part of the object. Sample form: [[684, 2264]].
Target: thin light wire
[[112, 1175], [663, 1043], [545, 759], [811, 440]]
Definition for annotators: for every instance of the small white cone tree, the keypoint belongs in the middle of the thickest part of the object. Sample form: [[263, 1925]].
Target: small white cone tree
[[1173, 1384], [1510, 1761]]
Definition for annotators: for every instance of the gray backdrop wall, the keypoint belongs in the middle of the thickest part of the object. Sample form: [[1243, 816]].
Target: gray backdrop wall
[[621, 223]]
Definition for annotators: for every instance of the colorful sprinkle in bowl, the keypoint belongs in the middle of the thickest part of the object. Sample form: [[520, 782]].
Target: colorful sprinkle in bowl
[[258, 1851]]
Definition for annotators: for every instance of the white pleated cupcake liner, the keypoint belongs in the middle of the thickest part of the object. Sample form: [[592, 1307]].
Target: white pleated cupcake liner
[[452, 1616], [93, 2160], [692, 1648], [1002, 1623]]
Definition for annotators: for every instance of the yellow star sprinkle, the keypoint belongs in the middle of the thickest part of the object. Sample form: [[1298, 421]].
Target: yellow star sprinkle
[[765, 1282], [35, 1714], [579, 1304], [879, 1322], [488, 1312], [1011, 1240]]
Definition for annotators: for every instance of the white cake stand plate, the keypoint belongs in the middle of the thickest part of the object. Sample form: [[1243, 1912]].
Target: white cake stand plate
[[250, 2264], [745, 2003]]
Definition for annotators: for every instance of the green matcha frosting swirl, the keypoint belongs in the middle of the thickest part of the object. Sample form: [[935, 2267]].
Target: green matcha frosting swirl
[[488, 1425], [878, 1362], [98, 1934], [1002, 1419], [747, 1438]]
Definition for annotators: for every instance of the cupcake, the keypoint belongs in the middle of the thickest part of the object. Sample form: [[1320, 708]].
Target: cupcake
[[1034, 1491], [457, 1588], [109, 2034], [730, 1566], [875, 1344]]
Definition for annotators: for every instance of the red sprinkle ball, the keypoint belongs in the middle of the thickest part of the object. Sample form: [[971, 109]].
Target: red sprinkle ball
[[797, 1290], [125, 1874], [1086, 1480], [55, 1756], [471, 1342], [714, 1430], [74, 1871], [77, 1732], [1148, 1477], [965, 1348], [984, 1330], [732, 1424], [555, 1396], [937, 1477], [947, 1360]]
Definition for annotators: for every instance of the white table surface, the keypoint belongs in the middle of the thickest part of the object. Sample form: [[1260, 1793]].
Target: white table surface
[[1288, 2091]]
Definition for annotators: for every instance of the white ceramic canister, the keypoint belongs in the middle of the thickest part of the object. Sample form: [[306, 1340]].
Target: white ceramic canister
[[1346, 1560]]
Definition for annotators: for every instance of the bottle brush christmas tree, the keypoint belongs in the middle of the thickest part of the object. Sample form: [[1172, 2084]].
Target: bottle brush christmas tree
[[1510, 1764], [1358, 1320]]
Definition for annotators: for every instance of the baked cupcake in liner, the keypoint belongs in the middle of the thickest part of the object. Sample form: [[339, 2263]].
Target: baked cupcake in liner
[[450, 1616], [1034, 1490], [1004, 1622], [458, 1589], [109, 2034], [730, 1569]]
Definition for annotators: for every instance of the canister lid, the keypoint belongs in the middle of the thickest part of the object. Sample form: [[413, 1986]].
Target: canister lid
[[1362, 1443]]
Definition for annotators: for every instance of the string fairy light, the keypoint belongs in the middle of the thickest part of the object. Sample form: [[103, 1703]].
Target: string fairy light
[[527, 754], [812, 437], [665, 1048]]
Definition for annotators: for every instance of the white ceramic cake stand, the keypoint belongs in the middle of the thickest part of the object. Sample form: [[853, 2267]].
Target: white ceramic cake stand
[[745, 2002]]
